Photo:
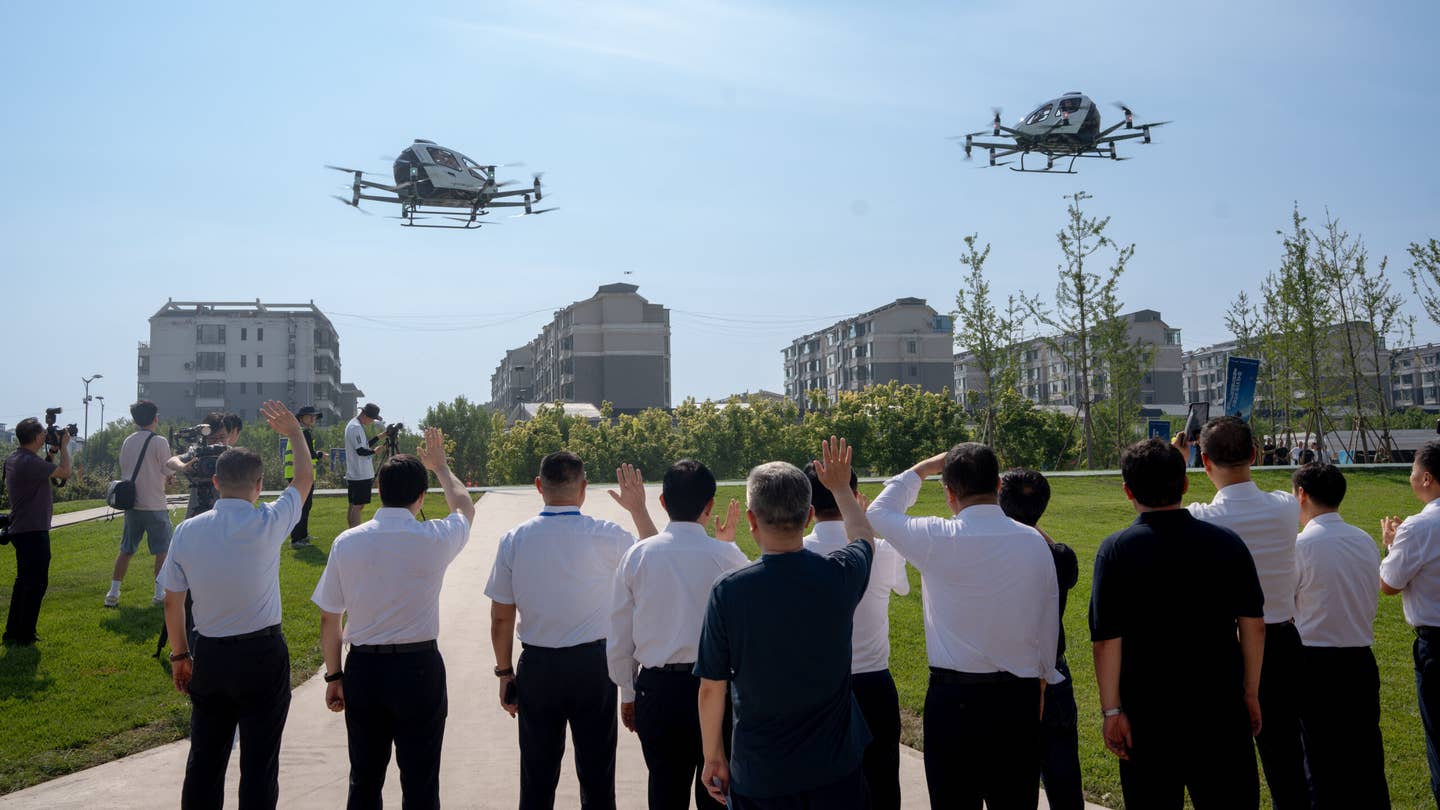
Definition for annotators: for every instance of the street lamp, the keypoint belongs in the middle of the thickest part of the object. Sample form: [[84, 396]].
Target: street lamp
[[101, 400], [87, 381]]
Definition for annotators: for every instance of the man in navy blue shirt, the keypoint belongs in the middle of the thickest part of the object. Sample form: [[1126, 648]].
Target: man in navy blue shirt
[[777, 633]]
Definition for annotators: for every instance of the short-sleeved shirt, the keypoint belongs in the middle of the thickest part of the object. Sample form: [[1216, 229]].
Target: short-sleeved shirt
[[1412, 566], [1336, 599], [1172, 588], [229, 560], [779, 631], [1266, 523], [558, 570], [32, 501], [386, 574], [870, 642], [1067, 573], [357, 467], [151, 478]]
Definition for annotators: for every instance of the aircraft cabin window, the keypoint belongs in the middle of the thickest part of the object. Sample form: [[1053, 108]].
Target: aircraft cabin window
[[1039, 115], [473, 167], [445, 158], [1069, 105]]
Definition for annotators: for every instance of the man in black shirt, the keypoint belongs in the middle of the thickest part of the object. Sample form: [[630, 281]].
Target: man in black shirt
[[27, 483], [300, 535], [777, 632], [1024, 494], [1179, 692]]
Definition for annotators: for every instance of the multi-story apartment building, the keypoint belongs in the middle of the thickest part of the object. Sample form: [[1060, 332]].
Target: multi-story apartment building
[[1413, 377], [206, 356], [1046, 376], [1204, 372], [905, 341], [612, 347], [1203, 378]]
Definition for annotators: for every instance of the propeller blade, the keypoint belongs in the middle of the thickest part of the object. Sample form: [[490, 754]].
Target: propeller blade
[[1125, 108], [1159, 124], [343, 169], [351, 204], [407, 219], [537, 212]]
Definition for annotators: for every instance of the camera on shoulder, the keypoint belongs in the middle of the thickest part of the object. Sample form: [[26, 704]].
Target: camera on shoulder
[[52, 431]]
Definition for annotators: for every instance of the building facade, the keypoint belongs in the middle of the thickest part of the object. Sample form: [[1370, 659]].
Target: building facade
[[905, 341], [1406, 375], [1413, 377], [612, 347], [1204, 374], [231, 356]]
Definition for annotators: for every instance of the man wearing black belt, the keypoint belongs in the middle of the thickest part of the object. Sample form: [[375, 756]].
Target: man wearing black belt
[[1177, 624], [238, 673], [992, 621], [556, 572], [661, 588], [385, 577], [1266, 523], [1411, 568]]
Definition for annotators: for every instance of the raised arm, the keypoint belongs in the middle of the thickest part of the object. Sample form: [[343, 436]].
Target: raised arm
[[631, 498], [432, 455], [282, 421], [887, 511], [833, 470]]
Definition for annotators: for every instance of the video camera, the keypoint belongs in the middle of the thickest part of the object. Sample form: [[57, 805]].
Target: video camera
[[204, 455], [389, 438], [52, 432]]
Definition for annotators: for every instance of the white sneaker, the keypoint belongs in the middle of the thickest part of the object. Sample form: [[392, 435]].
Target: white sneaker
[[112, 600]]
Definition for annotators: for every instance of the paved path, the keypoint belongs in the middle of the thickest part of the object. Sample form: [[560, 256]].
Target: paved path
[[481, 760]]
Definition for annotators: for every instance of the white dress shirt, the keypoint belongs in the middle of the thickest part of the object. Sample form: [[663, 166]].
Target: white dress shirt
[[357, 467], [229, 560], [1336, 599], [1266, 521], [659, 597], [870, 640], [558, 570], [1412, 566], [987, 583], [386, 573]]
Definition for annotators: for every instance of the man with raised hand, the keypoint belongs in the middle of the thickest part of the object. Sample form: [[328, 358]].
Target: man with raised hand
[[384, 576], [660, 592], [556, 573], [777, 633], [992, 619], [238, 674]]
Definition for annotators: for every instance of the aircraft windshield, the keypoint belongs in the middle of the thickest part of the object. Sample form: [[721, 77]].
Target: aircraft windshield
[[444, 157], [1069, 105], [473, 167], [1039, 115]]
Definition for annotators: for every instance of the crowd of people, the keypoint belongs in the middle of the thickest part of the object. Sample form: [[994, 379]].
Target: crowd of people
[[1217, 629]]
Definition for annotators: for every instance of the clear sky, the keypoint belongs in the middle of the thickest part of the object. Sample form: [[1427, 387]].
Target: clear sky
[[761, 169]]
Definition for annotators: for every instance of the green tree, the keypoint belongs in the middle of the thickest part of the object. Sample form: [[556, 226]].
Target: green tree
[[470, 425], [988, 335]]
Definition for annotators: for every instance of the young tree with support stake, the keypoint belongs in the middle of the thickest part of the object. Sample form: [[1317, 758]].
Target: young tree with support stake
[[991, 337]]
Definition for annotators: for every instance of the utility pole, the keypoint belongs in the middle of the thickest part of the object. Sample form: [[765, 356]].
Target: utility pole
[[87, 380]]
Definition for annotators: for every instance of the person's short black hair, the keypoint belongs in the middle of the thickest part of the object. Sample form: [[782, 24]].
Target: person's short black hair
[[971, 468], [1428, 457], [233, 423], [823, 499], [215, 419], [1024, 494], [144, 412], [1228, 442], [1324, 483], [561, 469], [28, 429], [688, 487], [402, 479], [238, 468], [1154, 471]]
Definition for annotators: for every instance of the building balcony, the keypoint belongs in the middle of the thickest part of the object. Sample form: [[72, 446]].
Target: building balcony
[[210, 402]]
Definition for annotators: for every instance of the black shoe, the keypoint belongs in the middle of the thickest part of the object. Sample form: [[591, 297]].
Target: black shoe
[[302, 543], [11, 641]]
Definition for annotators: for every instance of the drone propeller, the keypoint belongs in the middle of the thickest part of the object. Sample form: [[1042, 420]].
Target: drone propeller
[[535, 213], [407, 219], [348, 171], [493, 166], [351, 204]]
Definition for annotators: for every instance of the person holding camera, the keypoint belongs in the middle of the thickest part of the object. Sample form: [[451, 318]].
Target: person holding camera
[[144, 454], [27, 482], [237, 673], [307, 416], [359, 466], [198, 463]]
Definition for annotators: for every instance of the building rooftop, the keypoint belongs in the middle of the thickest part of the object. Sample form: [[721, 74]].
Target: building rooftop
[[187, 309]]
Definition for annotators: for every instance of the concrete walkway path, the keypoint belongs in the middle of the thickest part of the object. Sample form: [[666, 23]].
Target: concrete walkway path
[[481, 760]]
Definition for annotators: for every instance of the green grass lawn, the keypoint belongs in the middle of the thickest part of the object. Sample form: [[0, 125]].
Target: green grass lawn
[[90, 690], [1083, 511]]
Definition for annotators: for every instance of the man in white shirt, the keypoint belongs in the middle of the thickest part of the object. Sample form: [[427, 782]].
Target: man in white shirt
[[1335, 604], [992, 620], [142, 462], [556, 571], [870, 678], [359, 466], [238, 673], [385, 576], [660, 592], [1411, 568], [1266, 522]]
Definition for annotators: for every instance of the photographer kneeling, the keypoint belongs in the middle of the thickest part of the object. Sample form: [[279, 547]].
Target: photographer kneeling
[[27, 481]]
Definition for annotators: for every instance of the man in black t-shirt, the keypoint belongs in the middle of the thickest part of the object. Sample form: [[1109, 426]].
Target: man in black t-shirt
[[27, 483], [777, 632], [1178, 690], [1024, 494]]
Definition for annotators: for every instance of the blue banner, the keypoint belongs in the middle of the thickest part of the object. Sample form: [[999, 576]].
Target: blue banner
[[1241, 374]]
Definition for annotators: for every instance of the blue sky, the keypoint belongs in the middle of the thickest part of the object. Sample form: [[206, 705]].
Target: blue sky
[[759, 168]]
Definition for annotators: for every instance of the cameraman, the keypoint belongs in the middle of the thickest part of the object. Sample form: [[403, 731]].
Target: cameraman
[[359, 467], [199, 468], [143, 457], [307, 416], [27, 481]]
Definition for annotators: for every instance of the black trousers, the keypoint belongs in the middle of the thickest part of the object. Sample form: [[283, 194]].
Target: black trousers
[[981, 740], [302, 529], [667, 720], [1060, 745], [850, 793], [237, 683], [1208, 752], [400, 700], [556, 688], [880, 705], [1426, 653], [1340, 721], [1282, 753], [32, 579]]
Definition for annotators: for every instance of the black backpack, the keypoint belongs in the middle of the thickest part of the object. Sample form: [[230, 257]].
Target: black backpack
[[121, 494]]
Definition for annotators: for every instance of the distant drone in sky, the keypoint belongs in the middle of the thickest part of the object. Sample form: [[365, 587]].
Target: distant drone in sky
[[434, 182], [1068, 126]]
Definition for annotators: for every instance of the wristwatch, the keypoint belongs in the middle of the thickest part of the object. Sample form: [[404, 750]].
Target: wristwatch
[[504, 673], [181, 656], [331, 677], [1115, 712]]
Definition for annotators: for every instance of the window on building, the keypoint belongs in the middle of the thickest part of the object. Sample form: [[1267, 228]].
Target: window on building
[[242, 388], [243, 332], [242, 361], [259, 361], [144, 365], [259, 387], [259, 333], [913, 371], [210, 389], [1172, 337], [910, 346], [290, 364], [210, 333], [209, 361]]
